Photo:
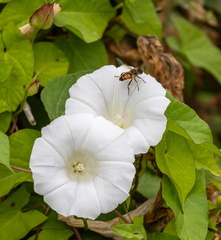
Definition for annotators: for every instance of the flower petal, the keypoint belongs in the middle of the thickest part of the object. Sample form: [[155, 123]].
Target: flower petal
[[139, 143], [109, 195], [91, 89], [139, 111], [78, 199], [77, 179], [103, 133], [119, 174]]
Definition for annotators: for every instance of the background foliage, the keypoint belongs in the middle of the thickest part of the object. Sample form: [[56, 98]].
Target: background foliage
[[181, 175]]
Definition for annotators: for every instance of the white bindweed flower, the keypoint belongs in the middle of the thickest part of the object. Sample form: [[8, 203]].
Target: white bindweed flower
[[139, 113], [82, 165]]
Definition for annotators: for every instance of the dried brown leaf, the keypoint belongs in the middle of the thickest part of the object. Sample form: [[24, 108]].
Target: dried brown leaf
[[163, 66]]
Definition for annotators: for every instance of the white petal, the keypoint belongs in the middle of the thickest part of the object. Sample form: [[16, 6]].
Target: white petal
[[138, 141], [86, 203], [58, 135], [119, 174], [152, 108], [72, 106], [92, 90], [46, 163], [150, 119], [79, 127], [61, 198], [109, 195], [153, 134], [48, 178], [120, 149], [87, 194], [103, 133], [43, 154]]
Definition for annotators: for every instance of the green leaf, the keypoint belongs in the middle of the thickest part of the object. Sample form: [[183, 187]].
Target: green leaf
[[4, 153], [5, 69], [130, 231], [56, 93], [86, 19], [21, 144], [50, 62], [192, 220], [149, 183], [53, 235], [196, 47], [161, 236], [214, 5], [53, 229], [17, 49], [5, 120], [184, 121], [17, 13], [8, 180], [204, 158], [171, 228], [140, 17], [82, 55], [11, 216], [175, 159]]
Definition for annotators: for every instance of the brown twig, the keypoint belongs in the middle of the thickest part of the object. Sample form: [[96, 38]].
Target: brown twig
[[121, 216], [77, 233]]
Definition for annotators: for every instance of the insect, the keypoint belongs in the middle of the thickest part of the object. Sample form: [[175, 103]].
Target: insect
[[131, 75]]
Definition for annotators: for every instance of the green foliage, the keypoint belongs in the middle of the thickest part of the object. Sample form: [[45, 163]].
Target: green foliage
[[82, 55], [85, 36], [140, 17], [161, 236], [15, 223], [20, 144], [50, 62], [174, 159], [130, 231], [86, 19], [19, 71], [56, 93], [54, 229], [15, 12], [5, 121], [4, 154], [191, 219], [190, 38]]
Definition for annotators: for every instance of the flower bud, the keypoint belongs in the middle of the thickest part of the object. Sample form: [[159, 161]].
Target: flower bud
[[27, 30], [32, 89], [43, 17]]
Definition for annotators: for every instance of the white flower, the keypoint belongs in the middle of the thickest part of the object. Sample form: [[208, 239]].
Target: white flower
[[140, 113], [82, 165]]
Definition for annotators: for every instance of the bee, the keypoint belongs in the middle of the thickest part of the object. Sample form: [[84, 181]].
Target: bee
[[131, 75]]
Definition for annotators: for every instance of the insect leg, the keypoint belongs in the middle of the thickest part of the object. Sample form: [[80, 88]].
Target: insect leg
[[128, 86], [136, 83], [141, 78]]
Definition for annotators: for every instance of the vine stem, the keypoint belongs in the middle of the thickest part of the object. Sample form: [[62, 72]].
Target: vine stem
[[21, 169], [77, 233], [121, 216]]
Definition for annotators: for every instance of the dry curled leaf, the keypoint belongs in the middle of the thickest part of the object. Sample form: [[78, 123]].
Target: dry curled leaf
[[163, 66], [104, 228]]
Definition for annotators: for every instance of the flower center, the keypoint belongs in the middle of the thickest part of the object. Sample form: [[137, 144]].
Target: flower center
[[78, 167], [119, 121], [81, 166]]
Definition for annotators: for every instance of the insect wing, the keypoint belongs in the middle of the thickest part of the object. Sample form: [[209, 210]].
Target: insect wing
[[120, 62]]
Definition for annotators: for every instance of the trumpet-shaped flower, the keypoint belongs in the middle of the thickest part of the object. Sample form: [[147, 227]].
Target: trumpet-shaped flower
[[82, 165], [139, 112]]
